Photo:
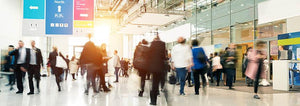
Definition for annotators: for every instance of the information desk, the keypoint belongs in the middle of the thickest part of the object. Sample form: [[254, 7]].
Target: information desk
[[281, 73]]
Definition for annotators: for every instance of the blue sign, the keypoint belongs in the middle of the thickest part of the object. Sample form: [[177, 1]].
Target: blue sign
[[34, 9], [59, 17]]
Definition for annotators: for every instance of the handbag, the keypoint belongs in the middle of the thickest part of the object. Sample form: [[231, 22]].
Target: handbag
[[61, 63], [172, 79]]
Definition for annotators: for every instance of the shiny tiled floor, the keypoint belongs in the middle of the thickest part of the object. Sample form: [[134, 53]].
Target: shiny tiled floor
[[124, 93]]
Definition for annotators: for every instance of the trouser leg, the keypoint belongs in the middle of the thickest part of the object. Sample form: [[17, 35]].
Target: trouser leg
[[258, 74], [155, 86], [19, 77], [197, 81], [30, 77], [203, 78]]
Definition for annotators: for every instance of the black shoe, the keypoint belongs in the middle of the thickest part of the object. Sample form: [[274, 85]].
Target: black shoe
[[141, 93], [231, 88], [30, 93], [116, 81], [256, 97], [152, 103], [106, 89], [190, 85], [59, 89], [218, 84], [86, 92], [19, 92], [197, 93]]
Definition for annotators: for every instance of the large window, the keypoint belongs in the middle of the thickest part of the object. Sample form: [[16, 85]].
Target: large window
[[271, 29], [221, 36]]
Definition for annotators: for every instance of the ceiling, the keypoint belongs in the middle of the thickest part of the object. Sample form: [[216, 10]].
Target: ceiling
[[155, 19]]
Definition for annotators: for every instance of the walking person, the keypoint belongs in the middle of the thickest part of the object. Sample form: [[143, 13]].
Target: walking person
[[92, 59], [73, 65], [182, 60], [58, 71], [141, 62], [230, 60], [255, 68], [249, 81], [200, 61], [104, 68], [9, 66], [22, 56], [217, 67], [116, 64], [157, 66], [36, 62]]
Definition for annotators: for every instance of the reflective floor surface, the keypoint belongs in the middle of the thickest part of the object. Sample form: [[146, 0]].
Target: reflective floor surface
[[125, 93]]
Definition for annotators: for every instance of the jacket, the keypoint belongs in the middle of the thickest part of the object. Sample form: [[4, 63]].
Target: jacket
[[232, 63], [90, 55], [157, 57], [140, 59], [39, 57], [52, 58], [17, 55], [197, 63]]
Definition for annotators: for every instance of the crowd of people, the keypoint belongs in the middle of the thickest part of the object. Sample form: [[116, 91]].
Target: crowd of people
[[190, 62]]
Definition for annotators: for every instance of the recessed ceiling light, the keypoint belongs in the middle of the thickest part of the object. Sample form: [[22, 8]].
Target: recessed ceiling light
[[242, 5]]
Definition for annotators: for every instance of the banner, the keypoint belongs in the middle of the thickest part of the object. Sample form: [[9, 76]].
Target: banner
[[59, 17]]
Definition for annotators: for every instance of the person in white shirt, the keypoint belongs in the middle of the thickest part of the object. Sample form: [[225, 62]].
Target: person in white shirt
[[182, 60], [217, 67], [116, 64]]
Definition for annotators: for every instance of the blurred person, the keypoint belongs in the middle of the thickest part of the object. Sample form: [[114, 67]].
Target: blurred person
[[182, 60], [126, 67], [104, 68], [156, 66], [56, 70], [22, 56], [255, 68], [36, 62], [222, 54], [209, 71], [73, 65], [141, 63], [249, 81], [200, 61], [9, 66], [165, 74], [68, 69], [116, 65], [48, 68], [92, 59], [122, 62], [217, 67], [230, 60]]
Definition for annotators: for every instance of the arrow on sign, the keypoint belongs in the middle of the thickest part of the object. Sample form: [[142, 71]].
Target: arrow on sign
[[34, 7]]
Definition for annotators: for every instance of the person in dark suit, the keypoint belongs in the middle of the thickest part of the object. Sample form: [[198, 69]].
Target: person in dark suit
[[36, 61], [157, 59], [22, 56], [57, 71]]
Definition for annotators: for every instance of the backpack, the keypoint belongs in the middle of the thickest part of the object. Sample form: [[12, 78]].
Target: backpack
[[140, 60], [201, 57]]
